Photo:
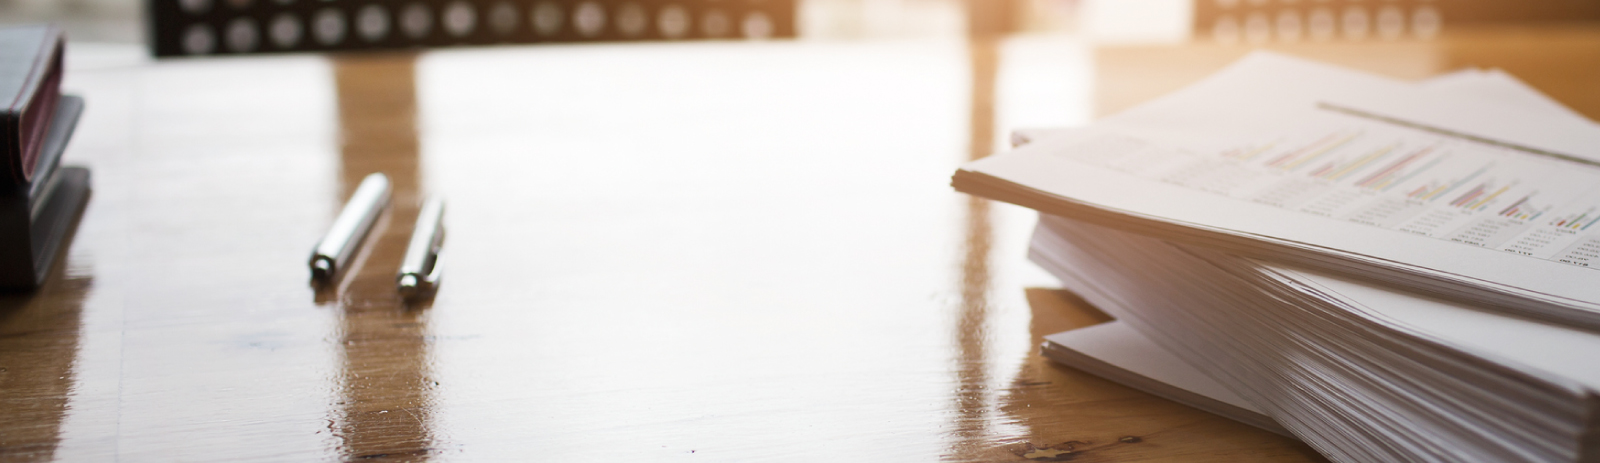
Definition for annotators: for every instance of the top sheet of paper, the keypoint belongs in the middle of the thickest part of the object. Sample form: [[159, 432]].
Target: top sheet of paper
[[1354, 167]]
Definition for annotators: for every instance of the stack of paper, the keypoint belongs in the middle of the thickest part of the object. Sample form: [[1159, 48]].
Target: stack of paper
[[1390, 271]]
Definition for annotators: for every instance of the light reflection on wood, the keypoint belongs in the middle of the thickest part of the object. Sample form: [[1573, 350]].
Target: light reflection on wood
[[39, 335], [387, 392], [972, 395], [1069, 414]]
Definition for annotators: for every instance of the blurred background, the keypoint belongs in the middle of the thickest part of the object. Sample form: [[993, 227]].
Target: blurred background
[[1160, 39], [1158, 42], [122, 21], [1120, 21]]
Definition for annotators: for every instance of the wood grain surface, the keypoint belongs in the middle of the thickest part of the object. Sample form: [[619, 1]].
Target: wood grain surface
[[658, 252]]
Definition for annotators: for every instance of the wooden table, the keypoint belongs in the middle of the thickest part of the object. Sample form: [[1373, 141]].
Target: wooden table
[[661, 252]]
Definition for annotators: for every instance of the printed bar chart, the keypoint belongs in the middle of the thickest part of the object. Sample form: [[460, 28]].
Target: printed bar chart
[[1522, 210], [1395, 173], [1335, 171], [1580, 221], [1422, 183]]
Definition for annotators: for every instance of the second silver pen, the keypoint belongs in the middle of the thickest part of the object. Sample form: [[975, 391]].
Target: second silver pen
[[419, 271]]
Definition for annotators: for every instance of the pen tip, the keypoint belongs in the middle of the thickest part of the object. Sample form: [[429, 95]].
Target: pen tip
[[408, 285], [320, 270]]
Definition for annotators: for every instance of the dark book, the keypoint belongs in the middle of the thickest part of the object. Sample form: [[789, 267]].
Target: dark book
[[30, 85], [37, 218]]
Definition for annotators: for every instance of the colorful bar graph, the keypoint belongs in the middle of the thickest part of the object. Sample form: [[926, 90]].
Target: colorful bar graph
[[1386, 177], [1470, 195], [1431, 191], [1314, 155], [1329, 172], [1459, 183], [1580, 222], [1319, 146], [1521, 210], [1247, 153], [1391, 183], [1481, 203]]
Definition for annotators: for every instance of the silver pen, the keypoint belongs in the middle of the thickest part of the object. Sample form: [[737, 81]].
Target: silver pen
[[419, 271], [350, 228]]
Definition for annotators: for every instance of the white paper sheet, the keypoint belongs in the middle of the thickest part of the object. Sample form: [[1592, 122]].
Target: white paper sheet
[[1118, 352], [1367, 378], [1247, 161]]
